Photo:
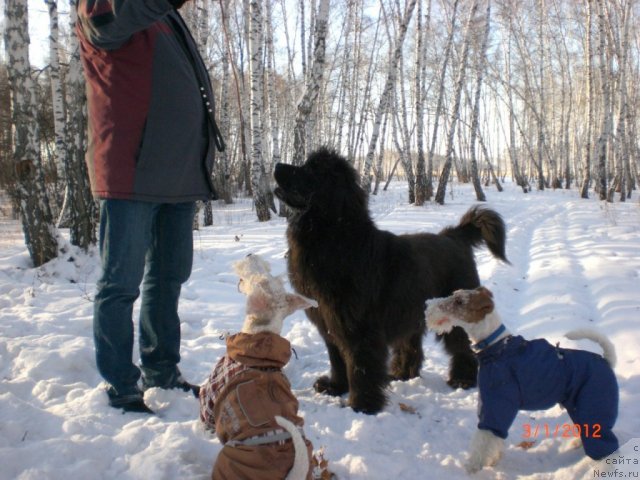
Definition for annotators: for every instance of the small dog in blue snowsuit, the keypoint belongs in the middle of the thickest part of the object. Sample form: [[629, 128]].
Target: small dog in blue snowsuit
[[517, 374]]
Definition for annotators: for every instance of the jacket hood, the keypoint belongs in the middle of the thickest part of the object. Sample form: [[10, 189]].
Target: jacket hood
[[264, 349]]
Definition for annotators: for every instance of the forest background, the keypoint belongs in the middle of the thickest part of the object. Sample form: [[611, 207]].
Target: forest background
[[539, 91]]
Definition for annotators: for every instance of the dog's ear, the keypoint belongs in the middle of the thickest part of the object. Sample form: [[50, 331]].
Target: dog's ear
[[485, 291], [482, 303], [298, 302]]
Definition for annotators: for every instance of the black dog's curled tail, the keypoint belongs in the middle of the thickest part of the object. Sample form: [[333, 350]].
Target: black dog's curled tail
[[480, 225]]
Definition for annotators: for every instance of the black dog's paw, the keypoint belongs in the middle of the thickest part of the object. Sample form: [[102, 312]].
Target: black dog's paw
[[404, 374], [370, 403], [463, 372], [463, 383], [325, 385]]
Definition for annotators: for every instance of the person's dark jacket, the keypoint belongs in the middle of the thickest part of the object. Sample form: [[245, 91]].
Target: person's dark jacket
[[152, 133]]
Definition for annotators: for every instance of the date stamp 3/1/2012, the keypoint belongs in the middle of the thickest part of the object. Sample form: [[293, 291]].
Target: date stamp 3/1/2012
[[561, 430]]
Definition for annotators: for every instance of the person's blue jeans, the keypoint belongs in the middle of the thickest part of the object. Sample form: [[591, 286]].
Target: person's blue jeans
[[154, 242]]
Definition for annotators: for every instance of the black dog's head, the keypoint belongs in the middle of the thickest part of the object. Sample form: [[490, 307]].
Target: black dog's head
[[326, 182]]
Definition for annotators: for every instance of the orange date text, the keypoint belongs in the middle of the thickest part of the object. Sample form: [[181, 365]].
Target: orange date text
[[561, 430]]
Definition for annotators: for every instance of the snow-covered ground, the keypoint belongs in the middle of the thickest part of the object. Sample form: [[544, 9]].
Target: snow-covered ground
[[575, 263]]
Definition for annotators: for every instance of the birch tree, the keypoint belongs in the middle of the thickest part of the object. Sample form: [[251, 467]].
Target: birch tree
[[606, 104], [475, 118], [259, 183], [400, 131], [272, 104], [37, 221], [228, 68], [347, 65], [7, 170], [584, 191], [70, 126], [379, 172], [446, 169], [440, 101], [386, 96], [516, 170], [57, 93], [401, 119], [303, 55], [222, 170], [83, 210], [421, 180], [358, 120], [540, 114], [312, 90], [622, 11]]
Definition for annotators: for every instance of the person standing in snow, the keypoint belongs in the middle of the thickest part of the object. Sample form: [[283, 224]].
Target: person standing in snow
[[152, 142]]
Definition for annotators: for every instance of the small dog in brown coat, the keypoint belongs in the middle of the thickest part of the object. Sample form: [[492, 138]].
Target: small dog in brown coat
[[247, 400]]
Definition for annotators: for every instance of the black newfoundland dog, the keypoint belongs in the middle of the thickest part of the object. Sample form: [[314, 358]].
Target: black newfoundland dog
[[371, 285]]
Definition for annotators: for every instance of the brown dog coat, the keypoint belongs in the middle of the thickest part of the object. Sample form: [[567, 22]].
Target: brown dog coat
[[239, 401]]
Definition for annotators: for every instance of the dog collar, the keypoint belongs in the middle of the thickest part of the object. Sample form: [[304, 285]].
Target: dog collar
[[487, 341]]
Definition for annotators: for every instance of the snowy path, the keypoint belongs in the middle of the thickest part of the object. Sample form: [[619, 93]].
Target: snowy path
[[574, 263]]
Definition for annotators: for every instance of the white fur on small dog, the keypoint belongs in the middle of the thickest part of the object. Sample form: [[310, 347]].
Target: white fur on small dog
[[268, 304], [486, 450], [251, 265], [301, 461], [608, 350]]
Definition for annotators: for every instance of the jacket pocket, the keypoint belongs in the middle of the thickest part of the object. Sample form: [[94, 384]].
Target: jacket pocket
[[251, 396]]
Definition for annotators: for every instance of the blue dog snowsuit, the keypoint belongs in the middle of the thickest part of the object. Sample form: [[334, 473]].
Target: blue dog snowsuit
[[518, 374]]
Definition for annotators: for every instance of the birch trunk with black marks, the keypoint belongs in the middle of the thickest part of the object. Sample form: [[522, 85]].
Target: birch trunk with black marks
[[421, 180], [387, 94], [347, 64], [516, 169], [243, 89], [35, 213], [353, 83], [621, 150], [379, 163], [272, 104], [222, 170], [303, 54], [79, 205], [475, 118], [404, 148], [606, 105], [541, 114], [302, 130], [586, 181], [358, 121], [57, 96], [446, 169], [440, 101], [259, 183]]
